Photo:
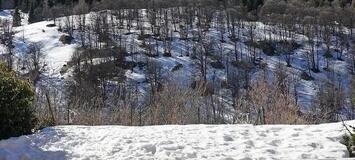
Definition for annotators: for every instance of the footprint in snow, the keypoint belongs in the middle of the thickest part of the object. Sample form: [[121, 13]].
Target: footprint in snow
[[227, 138], [149, 148]]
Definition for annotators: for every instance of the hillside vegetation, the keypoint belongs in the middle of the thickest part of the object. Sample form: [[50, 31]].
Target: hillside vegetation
[[183, 61]]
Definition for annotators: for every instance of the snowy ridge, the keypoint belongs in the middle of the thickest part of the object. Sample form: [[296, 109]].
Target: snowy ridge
[[180, 142]]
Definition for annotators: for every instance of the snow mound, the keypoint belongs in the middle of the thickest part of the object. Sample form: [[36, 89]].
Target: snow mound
[[180, 142]]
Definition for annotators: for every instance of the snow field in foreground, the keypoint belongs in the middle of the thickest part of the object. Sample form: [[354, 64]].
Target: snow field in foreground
[[180, 142]]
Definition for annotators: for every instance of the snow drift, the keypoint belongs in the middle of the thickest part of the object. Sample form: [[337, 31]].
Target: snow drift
[[180, 142]]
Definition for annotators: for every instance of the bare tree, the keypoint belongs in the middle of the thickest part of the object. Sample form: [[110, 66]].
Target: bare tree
[[35, 57]]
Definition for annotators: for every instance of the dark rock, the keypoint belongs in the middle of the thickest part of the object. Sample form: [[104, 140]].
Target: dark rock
[[66, 39]]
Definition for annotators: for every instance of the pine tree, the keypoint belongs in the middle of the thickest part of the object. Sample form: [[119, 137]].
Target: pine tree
[[31, 18], [25, 6], [257, 3], [252, 4], [353, 91], [16, 3], [68, 2], [16, 18]]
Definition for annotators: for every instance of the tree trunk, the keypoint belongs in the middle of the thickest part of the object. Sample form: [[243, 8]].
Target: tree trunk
[[50, 108]]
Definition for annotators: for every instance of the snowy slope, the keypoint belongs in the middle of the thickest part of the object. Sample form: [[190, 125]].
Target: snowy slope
[[56, 53], [180, 142]]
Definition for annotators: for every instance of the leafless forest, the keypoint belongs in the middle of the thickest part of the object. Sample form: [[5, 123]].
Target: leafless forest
[[156, 62]]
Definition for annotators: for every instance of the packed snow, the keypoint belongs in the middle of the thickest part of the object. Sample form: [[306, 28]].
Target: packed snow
[[180, 142]]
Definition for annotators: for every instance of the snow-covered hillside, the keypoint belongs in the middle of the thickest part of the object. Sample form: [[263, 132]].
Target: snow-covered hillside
[[58, 54], [180, 142]]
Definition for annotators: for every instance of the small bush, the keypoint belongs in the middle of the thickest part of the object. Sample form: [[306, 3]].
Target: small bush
[[167, 54], [141, 65], [204, 88], [315, 70], [340, 59], [64, 69], [306, 76], [16, 96], [128, 65], [243, 65], [177, 67], [144, 36], [44, 123], [234, 38], [275, 48], [267, 47], [349, 142], [328, 54], [217, 65], [66, 39]]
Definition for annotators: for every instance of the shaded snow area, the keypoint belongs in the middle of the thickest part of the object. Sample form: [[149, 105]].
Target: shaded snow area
[[180, 142]]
